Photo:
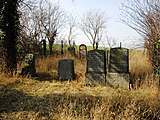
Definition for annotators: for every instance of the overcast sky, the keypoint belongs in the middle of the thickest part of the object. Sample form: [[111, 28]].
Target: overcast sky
[[115, 28]]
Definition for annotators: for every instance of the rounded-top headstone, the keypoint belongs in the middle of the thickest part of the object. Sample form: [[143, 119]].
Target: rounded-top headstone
[[82, 51]]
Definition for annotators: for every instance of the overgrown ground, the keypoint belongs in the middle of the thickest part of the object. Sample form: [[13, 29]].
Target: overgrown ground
[[46, 98]]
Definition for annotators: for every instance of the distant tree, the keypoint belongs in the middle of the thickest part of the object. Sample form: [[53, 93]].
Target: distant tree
[[42, 20], [71, 27], [144, 17], [9, 25], [93, 25], [30, 24], [52, 19]]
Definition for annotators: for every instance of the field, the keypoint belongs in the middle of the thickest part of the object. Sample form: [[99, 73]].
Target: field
[[46, 98]]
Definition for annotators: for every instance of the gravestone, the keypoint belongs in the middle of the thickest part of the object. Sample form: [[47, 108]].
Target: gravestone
[[119, 60], [72, 51], [118, 75], [96, 61], [29, 66], [62, 52], [43, 47], [96, 67], [82, 51], [66, 69]]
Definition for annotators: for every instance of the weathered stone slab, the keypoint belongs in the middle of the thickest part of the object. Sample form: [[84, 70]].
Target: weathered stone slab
[[119, 60], [96, 67], [96, 61], [117, 80], [30, 60], [66, 69], [95, 78], [29, 66], [82, 51]]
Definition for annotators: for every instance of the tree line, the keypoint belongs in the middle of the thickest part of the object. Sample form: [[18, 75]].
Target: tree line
[[30, 21]]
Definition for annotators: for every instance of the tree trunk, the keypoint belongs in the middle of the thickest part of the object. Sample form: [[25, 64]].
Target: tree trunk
[[155, 65], [9, 25], [69, 43], [93, 45], [50, 47]]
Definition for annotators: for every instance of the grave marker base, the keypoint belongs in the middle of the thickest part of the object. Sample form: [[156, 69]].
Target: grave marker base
[[117, 80], [95, 78], [28, 72]]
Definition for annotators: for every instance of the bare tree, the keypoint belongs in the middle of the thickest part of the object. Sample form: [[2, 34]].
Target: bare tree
[[144, 17], [93, 25], [30, 33], [111, 42], [42, 20], [71, 27], [52, 19], [30, 28]]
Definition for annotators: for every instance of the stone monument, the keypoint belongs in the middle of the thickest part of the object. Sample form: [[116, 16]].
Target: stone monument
[[96, 67], [29, 66], [82, 51], [66, 69], [43, 48], [62, 47], [118, 74]]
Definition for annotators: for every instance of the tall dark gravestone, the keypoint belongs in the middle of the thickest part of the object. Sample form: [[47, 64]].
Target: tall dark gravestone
[[62, 52], [66, 69], [43, 46], [96, 67], [96, 61], [29, 66], [118, 74], [119, 60]]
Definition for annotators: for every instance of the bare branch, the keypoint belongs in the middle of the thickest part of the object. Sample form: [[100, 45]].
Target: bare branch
[[93, 24]]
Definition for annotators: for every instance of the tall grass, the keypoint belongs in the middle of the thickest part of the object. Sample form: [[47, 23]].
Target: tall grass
[[140, 68], [46, 98]]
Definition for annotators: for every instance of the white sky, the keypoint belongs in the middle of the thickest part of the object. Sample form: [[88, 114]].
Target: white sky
[[115, 29]]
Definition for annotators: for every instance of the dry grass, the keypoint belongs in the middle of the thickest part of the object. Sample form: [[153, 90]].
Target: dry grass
[[46, 98], [140, 68]]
